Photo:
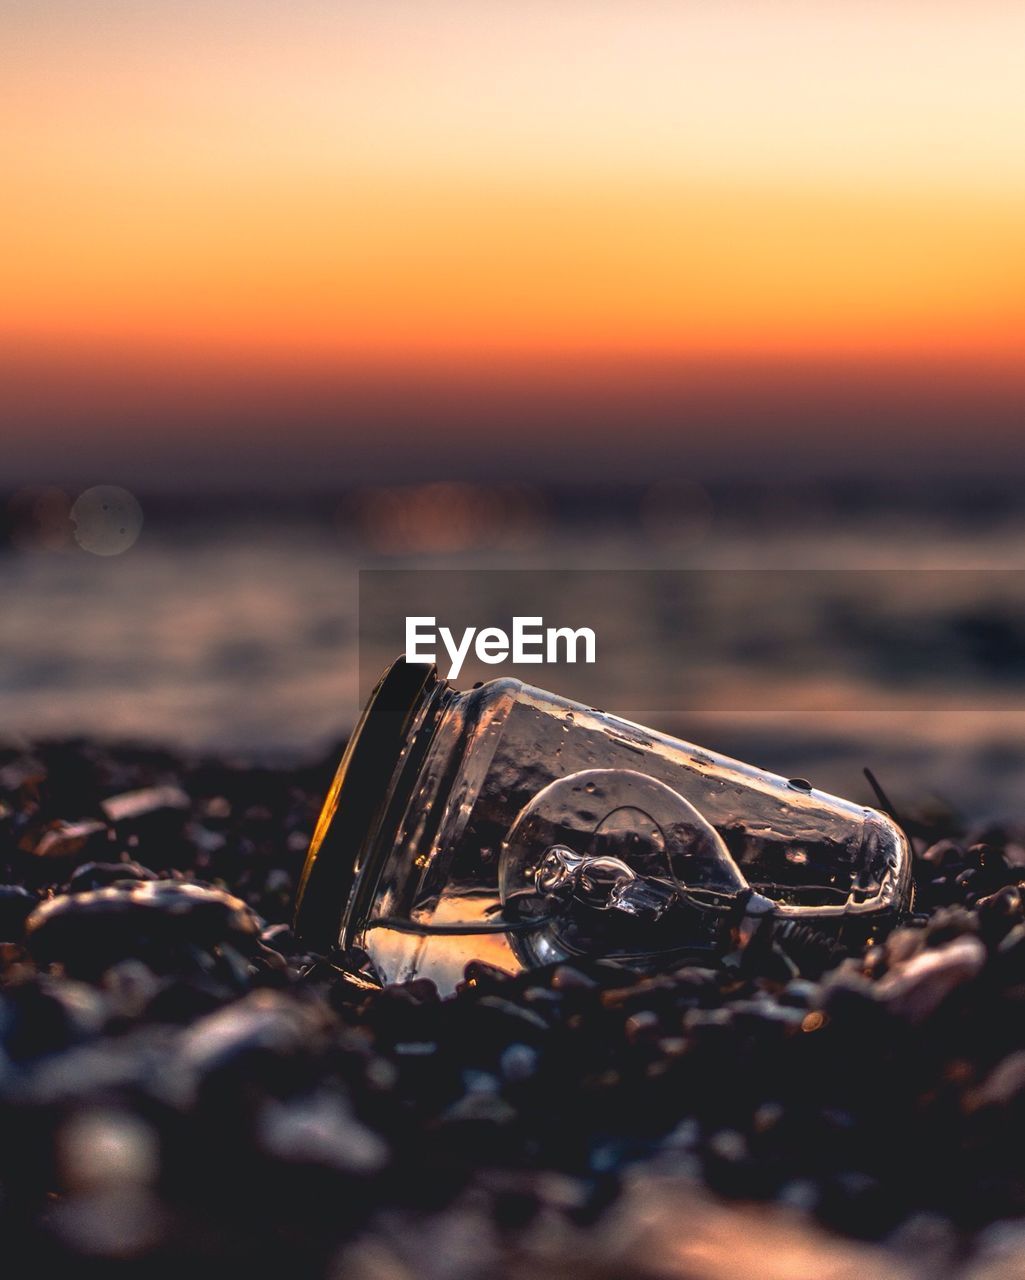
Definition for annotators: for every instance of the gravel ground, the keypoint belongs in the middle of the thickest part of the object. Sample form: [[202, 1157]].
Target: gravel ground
[[181, 1086]]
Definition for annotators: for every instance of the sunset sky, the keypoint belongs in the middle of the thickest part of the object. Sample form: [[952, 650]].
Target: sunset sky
[[257, 215]]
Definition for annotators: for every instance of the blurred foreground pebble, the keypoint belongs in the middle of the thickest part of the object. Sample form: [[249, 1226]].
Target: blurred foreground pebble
[[184, 1091]]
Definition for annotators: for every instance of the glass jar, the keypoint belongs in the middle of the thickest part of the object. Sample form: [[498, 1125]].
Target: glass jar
[[509, 825]]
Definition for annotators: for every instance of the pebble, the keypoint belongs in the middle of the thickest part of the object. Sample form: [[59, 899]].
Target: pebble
[[160, 922], [107, 1148], [262, 1025], [916, 988], [69, 839], [148, 803], [567, 978], [100, 875], [184, 1088], [321, 1130], [16, 905], [44, 1015], [519, 1063]]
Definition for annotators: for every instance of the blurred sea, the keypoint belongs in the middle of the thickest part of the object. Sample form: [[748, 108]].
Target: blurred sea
[[231, 624]]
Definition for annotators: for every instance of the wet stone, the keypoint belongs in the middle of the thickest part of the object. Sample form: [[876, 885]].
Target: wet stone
[[111, 1226], [16, 905], [568, 978], [162, 923], [71, 839], [44, 1016], [100, 875], [322, 1131], [185, 1090], [134, 807], [23, 774], [519, 1062], [483, 977], [860, 1204], [280, 938], [917, 988], [264, 1026], [151, 823], [478, 1111], [1000, 912]]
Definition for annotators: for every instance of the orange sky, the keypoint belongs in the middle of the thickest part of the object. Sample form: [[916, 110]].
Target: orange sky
[[384, 183]]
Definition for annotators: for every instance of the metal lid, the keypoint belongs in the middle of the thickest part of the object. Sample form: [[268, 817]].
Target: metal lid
[[358, 794]]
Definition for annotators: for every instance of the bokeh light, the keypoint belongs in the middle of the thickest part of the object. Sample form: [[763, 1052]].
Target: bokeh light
[[107, 520], [445, 517], [39, 520]]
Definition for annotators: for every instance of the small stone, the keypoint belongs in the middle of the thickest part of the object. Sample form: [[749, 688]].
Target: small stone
[[1000, 912], [642, 1026], [25, 772], [730, 1167], [927, 1236], [280, 938], [943, 853], [801, 1194], [263, 1026], [519, 1063], [858, 1203], [800, 993], [206, 841], [322, 1131], [480, 1108], [16, 905], [216, 807], [423, 991], [69, 839], [132, 806], [100, 875], [567, 978], [1005, 1082], [484, 977], [503, 1019], [45, 1016], [1011, 949], [415, 1048], [130, 986], [159, 922], [475, 1081], [110, 1225], [915, 990], [107, 1148]]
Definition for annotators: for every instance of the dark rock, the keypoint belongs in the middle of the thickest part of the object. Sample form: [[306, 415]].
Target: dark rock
[[16, 905], [567, 978], [519, 1062], [46, 1015], [151, 823], [915, 989], [321, 1130], [182, 1088], [162, 923], [70, 839], [248, 1035], [100, 875], [134, 807]]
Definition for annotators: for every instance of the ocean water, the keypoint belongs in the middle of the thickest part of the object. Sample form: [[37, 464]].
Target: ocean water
[[238, 631]]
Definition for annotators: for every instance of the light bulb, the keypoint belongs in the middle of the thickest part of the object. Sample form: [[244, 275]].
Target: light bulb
[[604, 849]]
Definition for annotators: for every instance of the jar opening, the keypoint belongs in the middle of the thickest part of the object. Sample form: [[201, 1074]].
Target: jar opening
[[356, 801]]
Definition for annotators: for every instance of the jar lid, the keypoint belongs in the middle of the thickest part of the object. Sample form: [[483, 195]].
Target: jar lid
[[356, 800]]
